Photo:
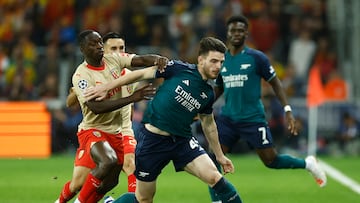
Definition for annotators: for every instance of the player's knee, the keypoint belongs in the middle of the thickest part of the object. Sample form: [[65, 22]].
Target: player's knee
[[143, 199], [129, 169], [214, 178], [75, 185], [108, 163]]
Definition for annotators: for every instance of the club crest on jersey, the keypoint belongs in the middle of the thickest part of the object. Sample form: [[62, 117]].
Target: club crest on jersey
[[82, 84], [244, 66], [81, 154], [115, 73], [96, 133], [130, 89]]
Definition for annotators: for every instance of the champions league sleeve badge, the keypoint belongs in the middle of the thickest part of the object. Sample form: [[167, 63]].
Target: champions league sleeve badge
[[82, 84]]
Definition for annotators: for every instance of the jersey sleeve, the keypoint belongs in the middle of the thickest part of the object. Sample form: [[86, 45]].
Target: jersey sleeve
[[124, 59], [208, 109], [81, 80], [264, 68], [171, 69], [126, 125]]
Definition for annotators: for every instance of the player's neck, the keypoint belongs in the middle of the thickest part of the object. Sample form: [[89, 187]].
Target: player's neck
[[95, 63], [236, 49]]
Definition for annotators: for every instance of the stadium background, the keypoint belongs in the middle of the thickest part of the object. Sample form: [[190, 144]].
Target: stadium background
[[38, 54]]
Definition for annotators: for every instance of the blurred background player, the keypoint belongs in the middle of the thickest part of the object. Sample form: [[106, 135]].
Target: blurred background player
[[101, 150], [242, 115]]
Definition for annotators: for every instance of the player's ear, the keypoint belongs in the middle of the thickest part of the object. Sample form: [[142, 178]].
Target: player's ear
[[200, 59]]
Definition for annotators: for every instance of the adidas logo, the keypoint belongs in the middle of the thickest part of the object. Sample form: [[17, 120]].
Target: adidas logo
[[186, 82]]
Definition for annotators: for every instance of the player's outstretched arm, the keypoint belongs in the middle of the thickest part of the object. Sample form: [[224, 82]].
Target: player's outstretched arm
[[105, 106], [150, 60], [99, 92]]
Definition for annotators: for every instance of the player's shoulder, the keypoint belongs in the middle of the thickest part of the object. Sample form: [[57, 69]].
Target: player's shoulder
[[257, 54], [81, 68], [181, 64], [118, 60], [111, 57], [117, 55], [254, 52]]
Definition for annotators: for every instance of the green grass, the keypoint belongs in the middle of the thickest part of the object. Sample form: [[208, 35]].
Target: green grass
[[40, 181]]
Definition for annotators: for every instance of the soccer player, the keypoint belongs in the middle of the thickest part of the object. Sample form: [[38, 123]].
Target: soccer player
[[242, 115], [113, 44], [166, 134], [100, 138]]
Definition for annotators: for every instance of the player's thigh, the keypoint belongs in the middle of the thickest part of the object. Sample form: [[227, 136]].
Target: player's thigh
[[145, 191], [204, 168], [79, 175], [102, 152], [258, 135], [228, 132]]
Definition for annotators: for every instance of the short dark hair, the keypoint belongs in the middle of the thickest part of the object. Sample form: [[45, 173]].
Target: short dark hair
[[81, 37], [238, 18], [211, 44], [111, 35]]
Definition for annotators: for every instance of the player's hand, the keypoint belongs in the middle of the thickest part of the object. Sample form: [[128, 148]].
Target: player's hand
[[99, 93], [226, 164], [129, 163], [144, 93], [161, 63], [291, 122]]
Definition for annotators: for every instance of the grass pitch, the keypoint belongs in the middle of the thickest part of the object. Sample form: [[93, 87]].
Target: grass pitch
[[40, 181]]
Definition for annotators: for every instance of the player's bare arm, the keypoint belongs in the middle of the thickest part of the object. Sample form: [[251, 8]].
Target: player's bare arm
[[150, 60], [210, 131], [105, 106], [100, 91], [280, 93], [71, 99]]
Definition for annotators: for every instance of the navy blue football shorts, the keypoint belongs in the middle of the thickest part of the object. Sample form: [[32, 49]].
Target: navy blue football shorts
[[153, 152], [257, 135]]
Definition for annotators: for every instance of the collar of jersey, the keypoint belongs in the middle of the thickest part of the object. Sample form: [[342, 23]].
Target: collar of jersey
[[98, 68], [241, 52]]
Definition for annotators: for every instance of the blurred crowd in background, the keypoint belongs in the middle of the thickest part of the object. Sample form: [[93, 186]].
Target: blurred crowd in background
[[38, 40]]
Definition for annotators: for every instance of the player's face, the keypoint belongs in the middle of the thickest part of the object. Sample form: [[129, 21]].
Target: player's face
[[93, 48], [114, 45], [237, 33], [209, 66]]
